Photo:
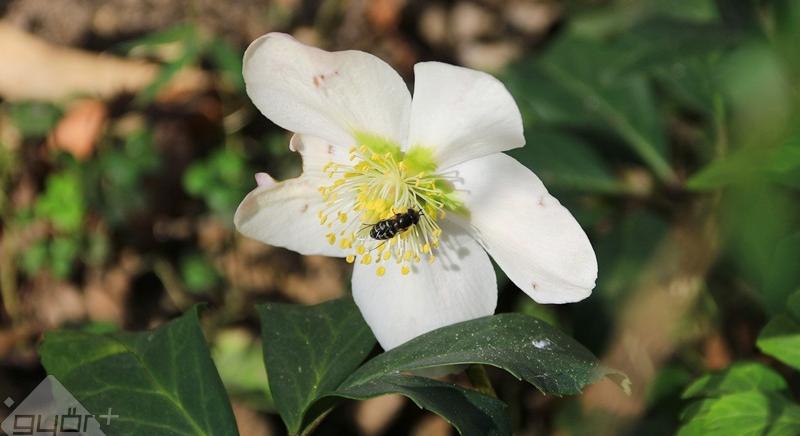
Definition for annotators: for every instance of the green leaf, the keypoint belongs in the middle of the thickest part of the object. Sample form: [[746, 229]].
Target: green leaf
[[746, 413], [470, 412], [526, 347], [310, 350], [159, 382], [781, 340], [741, 376]]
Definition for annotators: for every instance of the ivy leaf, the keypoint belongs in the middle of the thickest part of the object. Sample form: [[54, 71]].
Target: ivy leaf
[[741, 376], [526, 347], [158, 382], [309, 350]]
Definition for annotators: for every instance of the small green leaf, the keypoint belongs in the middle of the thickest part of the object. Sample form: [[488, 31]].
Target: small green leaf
[[781, 340], [470, 412], [310, 350], [526, 347], [741, 376], [158, 382], [749, 413]]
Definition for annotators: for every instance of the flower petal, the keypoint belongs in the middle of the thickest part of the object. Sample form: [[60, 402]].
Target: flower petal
[[330, 95], [530, 235], [317, 153], [460, 285], [463, 114], [284, 214]]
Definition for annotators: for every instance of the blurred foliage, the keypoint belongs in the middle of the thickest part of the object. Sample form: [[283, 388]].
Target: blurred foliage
[[639, 115]]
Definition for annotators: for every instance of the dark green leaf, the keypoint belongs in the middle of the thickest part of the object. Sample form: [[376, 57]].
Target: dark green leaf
[[526, 347], [159, 382], [741, 376], [781, 340], [749, 413], [310, 350], [470, 412]]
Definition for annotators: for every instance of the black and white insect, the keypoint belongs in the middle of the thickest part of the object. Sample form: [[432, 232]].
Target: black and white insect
[[388, 228]]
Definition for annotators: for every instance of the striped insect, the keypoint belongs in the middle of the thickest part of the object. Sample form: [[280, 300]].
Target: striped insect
[[388, 228]]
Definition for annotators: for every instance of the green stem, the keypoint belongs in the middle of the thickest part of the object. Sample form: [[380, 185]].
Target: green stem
[[480, 380]]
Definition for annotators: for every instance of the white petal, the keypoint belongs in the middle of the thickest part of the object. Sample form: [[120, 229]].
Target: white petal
[[317, 153], [460, 285], [463, 114], [284, 214], [330, 95], [530, 235]]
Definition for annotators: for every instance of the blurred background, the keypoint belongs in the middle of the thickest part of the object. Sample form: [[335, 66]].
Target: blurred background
[[668, 127]]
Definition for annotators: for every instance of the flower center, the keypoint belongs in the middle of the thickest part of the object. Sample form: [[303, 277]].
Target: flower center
[[385, 204]]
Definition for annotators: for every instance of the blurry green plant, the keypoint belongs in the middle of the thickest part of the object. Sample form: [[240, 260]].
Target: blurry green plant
[[750, 398], [198, 274], [118, 175], [635, 113], [221, 180], [193, 47], [34, 119], [62, 205]]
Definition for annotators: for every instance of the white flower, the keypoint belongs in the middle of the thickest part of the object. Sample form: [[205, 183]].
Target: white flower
[[370, 152]]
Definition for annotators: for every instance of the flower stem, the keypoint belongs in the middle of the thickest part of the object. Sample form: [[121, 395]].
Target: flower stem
[[480, 380]]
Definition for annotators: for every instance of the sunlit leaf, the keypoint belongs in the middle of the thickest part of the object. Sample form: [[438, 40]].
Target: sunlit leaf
[[748, 413], [741, 376], [780, 338]]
